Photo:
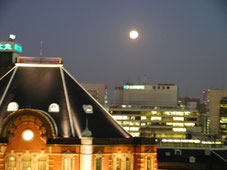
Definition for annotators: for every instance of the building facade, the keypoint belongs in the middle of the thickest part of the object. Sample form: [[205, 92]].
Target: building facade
[[147, 95], [154, 110], [48, 121], [215, 116], [161, 122]]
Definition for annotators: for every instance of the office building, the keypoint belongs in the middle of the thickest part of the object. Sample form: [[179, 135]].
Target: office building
[[152, 110], [161, 122], [189, 102], [147, 95], [215, 117]]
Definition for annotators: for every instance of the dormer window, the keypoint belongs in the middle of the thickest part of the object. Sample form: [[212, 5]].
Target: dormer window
[[88, 109], [54, 107], [13, 106]]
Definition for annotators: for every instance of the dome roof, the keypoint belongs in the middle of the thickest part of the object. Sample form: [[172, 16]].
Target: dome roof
[[37, 86]]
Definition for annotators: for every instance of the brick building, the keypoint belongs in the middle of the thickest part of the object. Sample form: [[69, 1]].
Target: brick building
[[49, 121]]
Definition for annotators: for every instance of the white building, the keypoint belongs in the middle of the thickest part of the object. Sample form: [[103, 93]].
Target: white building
[[149, 95]]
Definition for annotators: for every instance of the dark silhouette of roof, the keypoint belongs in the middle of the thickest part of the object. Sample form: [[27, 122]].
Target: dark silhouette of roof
[[37, 86]]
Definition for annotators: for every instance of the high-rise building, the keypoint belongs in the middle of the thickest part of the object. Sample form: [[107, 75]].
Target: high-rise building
[[215, 117]]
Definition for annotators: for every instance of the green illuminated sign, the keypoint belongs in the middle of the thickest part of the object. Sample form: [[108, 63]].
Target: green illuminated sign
[[10, 47], [18, 48]]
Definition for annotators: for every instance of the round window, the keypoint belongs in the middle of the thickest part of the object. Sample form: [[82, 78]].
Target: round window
[[28, 135]]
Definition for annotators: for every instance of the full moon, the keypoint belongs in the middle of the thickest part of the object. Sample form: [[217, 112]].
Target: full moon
[[133, 34]]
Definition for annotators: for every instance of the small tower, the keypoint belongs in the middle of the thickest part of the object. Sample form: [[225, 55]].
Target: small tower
[[86, 149]]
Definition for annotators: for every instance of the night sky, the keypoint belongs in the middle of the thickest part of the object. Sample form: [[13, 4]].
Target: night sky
[[181, 41]]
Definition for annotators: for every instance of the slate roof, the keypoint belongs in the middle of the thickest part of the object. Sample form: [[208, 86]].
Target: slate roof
[[37, 86]]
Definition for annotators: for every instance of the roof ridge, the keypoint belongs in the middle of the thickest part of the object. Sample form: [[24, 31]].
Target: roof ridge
[[8, 85]]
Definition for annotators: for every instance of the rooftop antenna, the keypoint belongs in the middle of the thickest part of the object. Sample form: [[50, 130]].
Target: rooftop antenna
[[145, 79], [41, 48]]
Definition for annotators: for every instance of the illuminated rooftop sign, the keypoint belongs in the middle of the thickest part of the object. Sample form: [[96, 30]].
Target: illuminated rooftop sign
[[133, 87], [10, 47]]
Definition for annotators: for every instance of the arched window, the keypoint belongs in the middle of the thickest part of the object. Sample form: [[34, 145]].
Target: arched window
[[98, 164], [68, 162], [13, 106], [128, 167], [54, 107], [27, 164], [148, 163], [11, 163], [42, 164], [88, 109], [118, 166]]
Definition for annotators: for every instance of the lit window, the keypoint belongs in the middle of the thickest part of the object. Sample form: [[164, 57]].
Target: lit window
[[189, 124], [126, 128], [54, 107], [67, 164], [178, 118], [13, 106], [143, 117], [156, 118], [148, 163], [27, 164], [154, 112], [88, 109], [143, 124], [42, 164], [134, 128], [128, 167], [118, 167], [28, 135], [179, 129], [178, 124], [12, 162]]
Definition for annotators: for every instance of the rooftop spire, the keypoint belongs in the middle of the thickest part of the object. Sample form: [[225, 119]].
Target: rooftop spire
[[86, 132]]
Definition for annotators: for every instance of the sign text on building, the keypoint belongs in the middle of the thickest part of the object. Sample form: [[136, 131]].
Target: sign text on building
[[7, 46]]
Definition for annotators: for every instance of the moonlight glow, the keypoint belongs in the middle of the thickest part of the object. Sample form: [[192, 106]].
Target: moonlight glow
[[133, 34]]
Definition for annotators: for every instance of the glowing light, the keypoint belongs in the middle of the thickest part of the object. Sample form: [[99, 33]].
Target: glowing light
[[12, 36], [179, 129], [38, 65], [133, 87], [189, 124], [178, 118], [12, 158], [28, 135], [156, 118], [13, 106], [54, 107], [9, 46], [120, 117], [143, 117], [88, 108], [133, 34], [134, 128]]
